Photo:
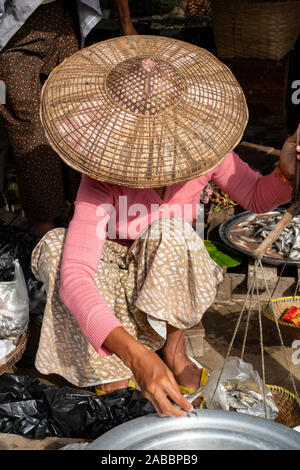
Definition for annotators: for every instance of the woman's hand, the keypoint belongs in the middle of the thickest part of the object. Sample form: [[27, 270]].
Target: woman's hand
[[154, 378], [158, 384], [288, 156]]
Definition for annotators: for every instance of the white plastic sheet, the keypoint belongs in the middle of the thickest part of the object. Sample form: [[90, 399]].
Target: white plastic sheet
[[6, 347], [14, 305]]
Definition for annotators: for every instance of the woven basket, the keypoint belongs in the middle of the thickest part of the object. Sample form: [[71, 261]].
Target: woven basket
[[288, 406], [256, 29], [12, 358], [279, 306]]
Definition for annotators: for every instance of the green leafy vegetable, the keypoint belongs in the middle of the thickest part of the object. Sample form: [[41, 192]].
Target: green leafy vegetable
[[222, 255]]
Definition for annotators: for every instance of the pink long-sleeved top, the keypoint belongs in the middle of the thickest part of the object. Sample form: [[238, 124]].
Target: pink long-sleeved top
[[131, 210]]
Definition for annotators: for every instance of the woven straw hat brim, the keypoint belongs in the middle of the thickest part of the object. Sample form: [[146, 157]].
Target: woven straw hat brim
[[112, 116]]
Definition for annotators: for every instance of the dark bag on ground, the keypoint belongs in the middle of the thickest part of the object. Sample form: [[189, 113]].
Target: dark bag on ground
[[17, 243], [35, 410]]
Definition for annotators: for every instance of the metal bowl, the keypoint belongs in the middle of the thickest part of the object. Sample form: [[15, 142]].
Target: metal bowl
[[199, 430], [224, 232]]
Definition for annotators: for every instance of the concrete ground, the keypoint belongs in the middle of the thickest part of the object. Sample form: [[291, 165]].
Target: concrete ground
[[219, 324]]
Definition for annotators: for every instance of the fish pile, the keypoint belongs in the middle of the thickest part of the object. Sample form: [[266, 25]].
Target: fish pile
[[257, 228], [251, 402], [235, 386]]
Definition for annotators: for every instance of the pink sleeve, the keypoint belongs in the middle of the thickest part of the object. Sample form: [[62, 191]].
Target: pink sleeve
[[249, 188], [82, 250]]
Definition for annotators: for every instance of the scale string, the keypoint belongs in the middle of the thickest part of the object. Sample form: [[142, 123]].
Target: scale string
[[232, 340], [247, 322], [250, 292], [279, 333], [261, 339]]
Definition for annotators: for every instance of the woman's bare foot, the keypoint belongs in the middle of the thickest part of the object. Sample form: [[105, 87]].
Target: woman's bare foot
[[174, 355], [112, 386]]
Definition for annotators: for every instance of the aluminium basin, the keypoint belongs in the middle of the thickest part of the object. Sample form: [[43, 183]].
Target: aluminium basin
[[199, 430]]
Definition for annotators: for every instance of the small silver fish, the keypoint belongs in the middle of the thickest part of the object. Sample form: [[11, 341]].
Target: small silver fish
[[243, 401], [287, 244]]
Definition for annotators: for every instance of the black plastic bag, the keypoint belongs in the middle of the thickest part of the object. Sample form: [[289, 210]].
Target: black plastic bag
[[35, 410], [14, 244], [17, 243], [23, 409]]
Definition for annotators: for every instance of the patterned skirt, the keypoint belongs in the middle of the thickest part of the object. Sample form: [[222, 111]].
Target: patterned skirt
[[165, 277]]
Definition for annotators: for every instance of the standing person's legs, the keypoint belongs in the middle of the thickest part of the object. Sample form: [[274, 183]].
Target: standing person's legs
[[4, 145], [32, 53]]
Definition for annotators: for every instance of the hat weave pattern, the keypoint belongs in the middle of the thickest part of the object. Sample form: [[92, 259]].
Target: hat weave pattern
[[143, 111], [144, 86]]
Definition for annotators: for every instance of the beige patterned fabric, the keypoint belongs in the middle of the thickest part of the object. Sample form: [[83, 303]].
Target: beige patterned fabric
[[166, 276]]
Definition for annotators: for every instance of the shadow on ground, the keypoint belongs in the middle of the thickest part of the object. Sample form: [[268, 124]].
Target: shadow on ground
[[220, 322]]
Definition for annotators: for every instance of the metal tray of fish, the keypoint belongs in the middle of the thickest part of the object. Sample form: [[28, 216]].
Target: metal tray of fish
[[244, 232]]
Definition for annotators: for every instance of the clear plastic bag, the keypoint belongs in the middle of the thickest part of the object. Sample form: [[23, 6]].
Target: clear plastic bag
[[240, 388], [14, 305]]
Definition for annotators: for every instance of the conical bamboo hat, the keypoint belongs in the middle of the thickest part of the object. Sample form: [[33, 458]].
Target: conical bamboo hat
[[143, 111]]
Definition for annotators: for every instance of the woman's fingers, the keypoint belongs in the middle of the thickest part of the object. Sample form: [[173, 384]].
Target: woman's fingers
[[160, 398], [161, 403], [156, 404], [173, 391], [298, 140], [151, 396], [294, 138], [166, 406], [179, 399], [158, 385]]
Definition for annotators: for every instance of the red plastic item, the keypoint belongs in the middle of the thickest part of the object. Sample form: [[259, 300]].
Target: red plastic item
[[292, 316]]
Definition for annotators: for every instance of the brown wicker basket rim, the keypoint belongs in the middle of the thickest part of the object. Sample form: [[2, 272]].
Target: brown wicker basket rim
[[280, 300], [284, 392], [15, 355]]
